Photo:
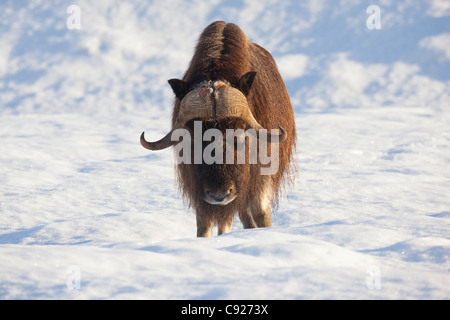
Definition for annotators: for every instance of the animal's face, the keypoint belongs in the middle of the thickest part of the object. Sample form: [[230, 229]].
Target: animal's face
[[222, 181]]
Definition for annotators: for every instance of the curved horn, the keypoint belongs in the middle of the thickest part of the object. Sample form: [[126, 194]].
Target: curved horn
[[232, 103], [160, 144], [269, 137], [273, 137], [196, 104]]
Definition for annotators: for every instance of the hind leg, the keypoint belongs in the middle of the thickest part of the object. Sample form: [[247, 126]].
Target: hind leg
[[262, 216], [261, 206], [246, 218]]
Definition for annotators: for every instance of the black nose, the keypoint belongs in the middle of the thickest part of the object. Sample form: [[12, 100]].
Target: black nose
[[219, 196]]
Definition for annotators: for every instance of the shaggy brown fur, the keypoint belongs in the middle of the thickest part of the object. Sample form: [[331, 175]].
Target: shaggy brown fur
[[223, 52]]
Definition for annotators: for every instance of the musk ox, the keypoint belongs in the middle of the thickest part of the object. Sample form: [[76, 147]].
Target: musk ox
[[231, 85]]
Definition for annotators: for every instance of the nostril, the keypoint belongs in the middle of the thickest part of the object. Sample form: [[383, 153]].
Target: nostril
[[220, 196]]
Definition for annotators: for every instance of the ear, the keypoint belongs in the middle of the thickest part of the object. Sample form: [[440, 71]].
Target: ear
[[179, 87], [246, 81]]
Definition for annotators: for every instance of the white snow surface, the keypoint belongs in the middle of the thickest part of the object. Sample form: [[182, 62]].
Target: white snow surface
[[87, 213]]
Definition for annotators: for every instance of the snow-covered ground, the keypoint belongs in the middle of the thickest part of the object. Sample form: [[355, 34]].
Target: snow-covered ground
[[87, 213]]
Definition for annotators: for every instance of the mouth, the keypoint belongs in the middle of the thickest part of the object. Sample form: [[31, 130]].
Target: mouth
[[219, 200]]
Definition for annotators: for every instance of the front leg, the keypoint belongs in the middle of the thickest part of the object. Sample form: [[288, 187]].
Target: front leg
[[225, 225], [205, 224]]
